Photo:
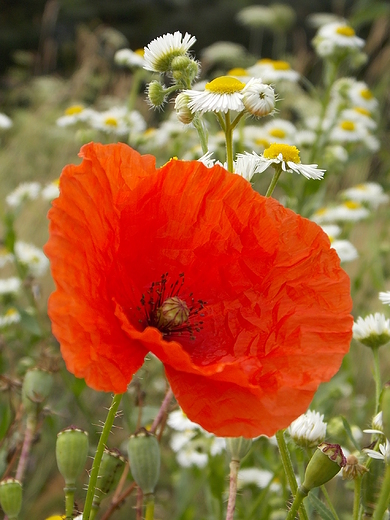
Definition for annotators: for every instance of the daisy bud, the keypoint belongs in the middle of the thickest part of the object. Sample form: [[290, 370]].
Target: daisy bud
[[36, 388], [238, 447], [385, 405], [156, 93], [144, 458], [308, 430], [327, 461], [353, 470], [184, 114], [11, 497], [110, 471], [71, 453], [258, 98], [373, 330]]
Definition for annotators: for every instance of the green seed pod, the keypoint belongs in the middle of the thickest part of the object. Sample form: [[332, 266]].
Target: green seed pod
[[327, 461], [238, 447], [71, 453], [385, 405], [36, 389], [111, 469], [144, 458], [11, 497]]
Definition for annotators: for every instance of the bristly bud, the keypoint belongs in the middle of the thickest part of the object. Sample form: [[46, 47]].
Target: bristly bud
[[36, 388], [111, 469], [385, 405], [144, 458], [71, 453], [11, 497], [238, 447], [184, 113], [156, 94], [353, 470], [327, 461]]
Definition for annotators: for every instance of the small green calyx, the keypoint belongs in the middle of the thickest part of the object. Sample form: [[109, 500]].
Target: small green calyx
[[71, 453], [11, 497], [327, 461], [238, 447], [173, 313], [144, 458]]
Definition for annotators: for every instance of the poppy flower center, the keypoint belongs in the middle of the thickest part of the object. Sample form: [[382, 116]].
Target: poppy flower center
[[170, 313]]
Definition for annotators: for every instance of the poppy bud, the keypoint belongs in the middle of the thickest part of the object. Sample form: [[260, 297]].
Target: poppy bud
[[71, 453], [327, 461], [144, 458], [110, 471], [11, 497], [36, 388], [385, 405], [238, 447]]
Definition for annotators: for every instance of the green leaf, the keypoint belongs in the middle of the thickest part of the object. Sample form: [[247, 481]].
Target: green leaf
[[321, 509], [5, 418], [30, 323], [349, 432]]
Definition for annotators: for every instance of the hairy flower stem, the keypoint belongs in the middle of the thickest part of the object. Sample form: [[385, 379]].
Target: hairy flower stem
[[234, 466], [99, 454], [289, 471], [384, 497], [163, 410], [229, 142], [274, 180], [356, 497], [377, 378], [329, 502], [202, 133], [296, 505], [31, 424]]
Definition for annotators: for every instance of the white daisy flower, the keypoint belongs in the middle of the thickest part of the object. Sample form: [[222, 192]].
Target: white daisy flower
[[74, 114], [25, 191], [361, 96], [332, 230], [207, 160], [246, 165], [256, 16], [160, 52], [32, 257], [10, 285], [345, 250], [112, 121], [258, 98], [240, 74], [260, 477], [51, 191], [5, 121], [385, 297], [382, 454], [349, 211], [189, 456], [9, 318], [5, 257], [360, 115], [348, 131], [177, 420], [376, 424], [129, 58], [280, 131], [369, 192], [272, 71], [335, 38], [373, 330], [288, 158], [308, 430], [220, 95]]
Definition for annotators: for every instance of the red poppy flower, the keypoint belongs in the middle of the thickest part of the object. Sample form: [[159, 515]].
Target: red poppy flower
[[241, 299]]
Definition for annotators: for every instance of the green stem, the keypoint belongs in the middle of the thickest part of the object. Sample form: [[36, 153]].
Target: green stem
[[274, 180], [377, 378], [297, 504], [149, 510], [229, 141], [234, 466], [202, 133], [384, 497], [69, 502], [292, 481], [99, 453], [94, 512], [329, 502], [356, 498]]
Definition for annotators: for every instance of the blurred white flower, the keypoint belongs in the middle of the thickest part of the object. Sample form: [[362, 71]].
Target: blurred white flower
[[9, 318], [177, 420], [370, 192], [361, 96], [130, 58], [385, 297], [32, 257], [373, 330], [74, 114], [349, 211], [25, 191], [260, 477], [335, 38], [51, 191], [5, 121], [345, 250], [383, 454], [10, 285], [272, 71], [5, 257]]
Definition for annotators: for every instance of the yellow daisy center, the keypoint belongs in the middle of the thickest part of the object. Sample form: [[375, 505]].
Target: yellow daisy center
[[321, 211], [362, 187], [265, 61], [140, 52], [237, 71], [225, 85], [277, 132], [366, 93], [349, 126], [111, 121], [289, 153], [11, 312], [350, 204], [281, 65], [345, 30], [363, 111], [262, 142], [73, 110]]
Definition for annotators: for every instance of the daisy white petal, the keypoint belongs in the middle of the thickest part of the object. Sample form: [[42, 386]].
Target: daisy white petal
[[160, 52], [220, 95], [258, 98], [385, 297], [373, 330]]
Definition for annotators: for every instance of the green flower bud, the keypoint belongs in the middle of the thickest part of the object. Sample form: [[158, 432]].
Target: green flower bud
[[184, 114], [71, 453], [36, 388], [238, 447], [156, 94], [110, 471], [144, 458], [11, 497], [327, 461], [385, 405], [180, 63]]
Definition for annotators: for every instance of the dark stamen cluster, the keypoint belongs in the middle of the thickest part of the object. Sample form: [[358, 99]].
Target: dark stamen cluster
[[153, 304]]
